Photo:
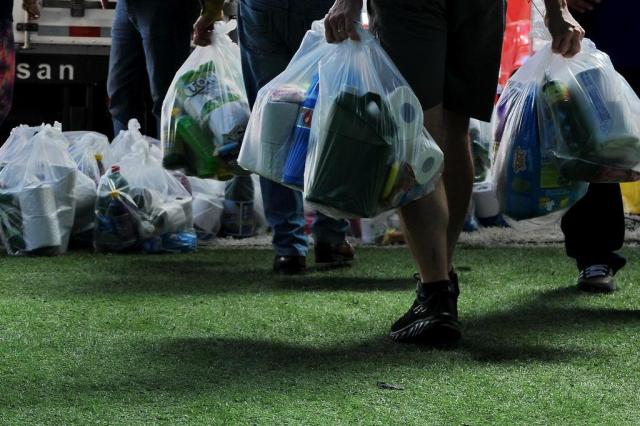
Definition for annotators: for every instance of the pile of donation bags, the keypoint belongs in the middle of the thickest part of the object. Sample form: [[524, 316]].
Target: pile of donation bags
[[560, 124], [205, 112], [37, 181], [342, 125], [60, 187]]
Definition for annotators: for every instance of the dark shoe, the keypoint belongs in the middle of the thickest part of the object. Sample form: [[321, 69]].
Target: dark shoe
[[334, 253], [432, 319], [289, 265], [596, 279]]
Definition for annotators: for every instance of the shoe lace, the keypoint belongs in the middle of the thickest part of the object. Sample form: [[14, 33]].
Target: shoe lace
[[595, 271]]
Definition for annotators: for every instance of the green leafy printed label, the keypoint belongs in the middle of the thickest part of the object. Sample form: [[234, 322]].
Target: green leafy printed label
[[216, 103]]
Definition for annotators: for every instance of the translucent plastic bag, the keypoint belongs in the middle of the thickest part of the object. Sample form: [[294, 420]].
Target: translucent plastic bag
[[37, 201], [88, 150], [589, 116], [122, 145], [368, 149], [208, 205], [282, 116], [141, 206], [205, 112], [528, 183]]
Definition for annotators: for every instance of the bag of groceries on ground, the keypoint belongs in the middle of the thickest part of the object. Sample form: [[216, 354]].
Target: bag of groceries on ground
[[37, 201], [143, 207], [343, 125], [122, 145], [205, 112], [88, 150]]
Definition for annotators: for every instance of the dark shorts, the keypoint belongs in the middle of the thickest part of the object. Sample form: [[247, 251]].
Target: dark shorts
[[448, 50]]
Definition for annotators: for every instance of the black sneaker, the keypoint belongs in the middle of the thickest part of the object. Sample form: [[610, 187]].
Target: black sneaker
[[596, 279], [433, 317]]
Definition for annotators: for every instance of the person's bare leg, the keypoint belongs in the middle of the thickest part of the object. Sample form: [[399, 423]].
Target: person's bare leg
[[425, 221], [457, 175]]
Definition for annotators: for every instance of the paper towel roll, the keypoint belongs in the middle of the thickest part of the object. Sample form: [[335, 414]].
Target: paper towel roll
[[278, 120], [187, 207], [407, 113], [486, 200], [39, 218], [37, 201]]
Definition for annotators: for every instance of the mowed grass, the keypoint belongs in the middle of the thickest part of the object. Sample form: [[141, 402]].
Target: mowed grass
[[215, 338]]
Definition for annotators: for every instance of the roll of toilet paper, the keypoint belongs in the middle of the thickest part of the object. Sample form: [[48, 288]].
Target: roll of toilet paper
[[407, 113], [425, 159], [486, 200]]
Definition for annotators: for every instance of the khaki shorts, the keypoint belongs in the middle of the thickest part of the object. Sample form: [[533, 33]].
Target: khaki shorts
[[448, 50]]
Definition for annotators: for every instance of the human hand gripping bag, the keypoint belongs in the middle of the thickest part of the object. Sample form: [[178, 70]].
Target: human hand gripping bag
[[205, 112], [368, 150], [143, 207], [589, 117], [37, 201], [531, 191], [276, 141]]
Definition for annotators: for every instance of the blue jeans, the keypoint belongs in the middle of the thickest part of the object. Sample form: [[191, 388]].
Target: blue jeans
[[270, 32], [150, 40]]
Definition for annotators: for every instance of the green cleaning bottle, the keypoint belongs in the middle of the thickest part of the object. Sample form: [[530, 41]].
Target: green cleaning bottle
[[198, 146]]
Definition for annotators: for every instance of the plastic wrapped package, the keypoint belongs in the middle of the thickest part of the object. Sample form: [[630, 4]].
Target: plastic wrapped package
[[277, 136], [37, 193], [368, 150], [15, 143], [205, 112], [208, 205], [141, 206], [589, 117], [528, 184]]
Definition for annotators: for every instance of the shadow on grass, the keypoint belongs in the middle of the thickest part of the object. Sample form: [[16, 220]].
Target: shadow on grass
[[198, 276]]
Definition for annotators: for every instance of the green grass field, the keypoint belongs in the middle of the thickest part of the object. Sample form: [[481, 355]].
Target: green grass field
[[215, 338]]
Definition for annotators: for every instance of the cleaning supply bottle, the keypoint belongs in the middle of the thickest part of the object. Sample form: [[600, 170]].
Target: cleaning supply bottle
[[198, 146], [567, 117], [294, 166]]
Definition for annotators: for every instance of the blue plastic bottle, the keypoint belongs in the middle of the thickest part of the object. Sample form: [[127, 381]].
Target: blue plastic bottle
[[294, 167]]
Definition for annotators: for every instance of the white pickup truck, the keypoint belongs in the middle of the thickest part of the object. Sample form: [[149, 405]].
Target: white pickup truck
[[61, 65]]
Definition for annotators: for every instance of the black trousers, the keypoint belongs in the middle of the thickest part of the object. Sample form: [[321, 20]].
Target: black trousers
[[594, 227]]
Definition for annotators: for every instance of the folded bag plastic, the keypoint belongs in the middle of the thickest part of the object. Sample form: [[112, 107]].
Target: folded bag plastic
[[368, 149], [141, 206], [205, 112], [88, 150], [37, 201], [589, 116]]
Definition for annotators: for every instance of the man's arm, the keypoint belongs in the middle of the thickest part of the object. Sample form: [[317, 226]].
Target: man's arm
[[211, 12], [565, 30]]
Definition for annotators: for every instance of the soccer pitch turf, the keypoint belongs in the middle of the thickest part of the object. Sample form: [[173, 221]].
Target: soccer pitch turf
[[215, 338]]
